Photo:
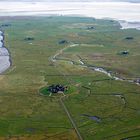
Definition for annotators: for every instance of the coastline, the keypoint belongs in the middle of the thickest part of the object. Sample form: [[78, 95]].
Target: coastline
[[126, 13], [5, 60]]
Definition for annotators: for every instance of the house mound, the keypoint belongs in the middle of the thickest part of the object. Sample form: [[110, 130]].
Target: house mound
[[53, 90]]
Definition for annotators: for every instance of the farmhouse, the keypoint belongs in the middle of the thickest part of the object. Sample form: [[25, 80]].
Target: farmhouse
[[129, 38], [124, 53], [63, 41], [137, 81], [29, 39]]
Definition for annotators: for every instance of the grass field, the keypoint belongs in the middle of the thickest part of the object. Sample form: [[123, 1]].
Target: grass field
[[26, 115]]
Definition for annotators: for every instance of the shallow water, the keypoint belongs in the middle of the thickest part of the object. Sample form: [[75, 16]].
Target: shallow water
[[4, 63], [119, 10], [127, 25], [4, 51], [116, 10], [4, 55]]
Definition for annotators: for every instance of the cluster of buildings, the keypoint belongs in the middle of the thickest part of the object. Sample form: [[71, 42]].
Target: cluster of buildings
[[129, 38], [1, 39], [57, 88], [124, 52]]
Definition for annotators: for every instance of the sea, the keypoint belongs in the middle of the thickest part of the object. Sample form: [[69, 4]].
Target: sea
[[127, 13]]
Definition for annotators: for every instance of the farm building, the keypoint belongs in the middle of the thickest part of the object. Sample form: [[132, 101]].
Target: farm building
[[57, 88], [91, 28], [63, 41], [28, 38], [123, 53], [129, 38]]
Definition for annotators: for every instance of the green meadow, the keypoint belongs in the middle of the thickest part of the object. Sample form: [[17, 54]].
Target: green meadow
[[26, 114]]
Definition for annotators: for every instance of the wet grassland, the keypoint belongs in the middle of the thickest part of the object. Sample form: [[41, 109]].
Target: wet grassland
[[101, 107]]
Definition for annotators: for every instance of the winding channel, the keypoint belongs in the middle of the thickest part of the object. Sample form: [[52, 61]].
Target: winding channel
[[94, 68], [5, 61]]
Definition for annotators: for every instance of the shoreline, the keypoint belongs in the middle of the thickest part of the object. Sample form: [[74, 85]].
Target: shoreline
[[5, 59], [123, 23], [126, 13]]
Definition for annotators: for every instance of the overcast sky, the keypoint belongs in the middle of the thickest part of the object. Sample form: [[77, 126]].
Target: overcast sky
[[135, 1], [115, 9]]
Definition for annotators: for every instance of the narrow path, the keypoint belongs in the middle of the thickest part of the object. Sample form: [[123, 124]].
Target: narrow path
[[54, 59], [70, 118]]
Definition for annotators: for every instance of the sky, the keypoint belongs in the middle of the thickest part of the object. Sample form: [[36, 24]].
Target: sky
[[115, 9], [133, 1]]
